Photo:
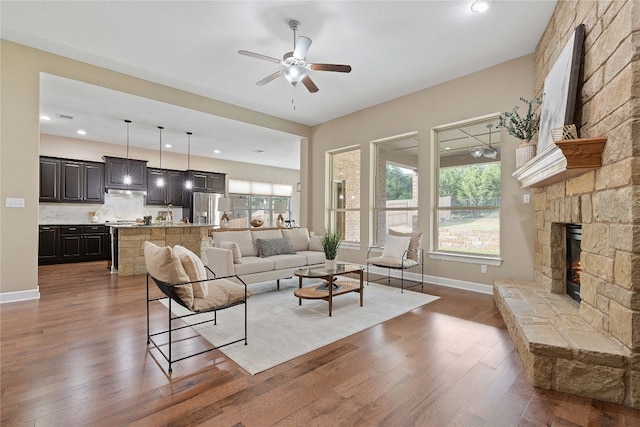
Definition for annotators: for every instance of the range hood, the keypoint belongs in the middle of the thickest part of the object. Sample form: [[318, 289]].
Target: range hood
[[117, 191]]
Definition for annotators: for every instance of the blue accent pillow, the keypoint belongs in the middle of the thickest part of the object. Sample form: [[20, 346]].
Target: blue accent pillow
[[270, 247]]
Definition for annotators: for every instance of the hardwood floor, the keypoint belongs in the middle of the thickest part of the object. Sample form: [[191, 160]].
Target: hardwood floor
[[78, 357]]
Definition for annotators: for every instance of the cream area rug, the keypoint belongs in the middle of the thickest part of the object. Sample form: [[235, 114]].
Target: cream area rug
[[278, 329]]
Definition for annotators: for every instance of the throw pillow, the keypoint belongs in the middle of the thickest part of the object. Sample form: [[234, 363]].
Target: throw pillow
[[163, 264], [315, 244], [235, 250], [271, 247], [194, 268], [414, 244], [395, 246]]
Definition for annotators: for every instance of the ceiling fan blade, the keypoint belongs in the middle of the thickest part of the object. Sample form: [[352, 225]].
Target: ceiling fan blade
[[269, 78], [331, 67], [309, 84], [302, 46], [257, 55]]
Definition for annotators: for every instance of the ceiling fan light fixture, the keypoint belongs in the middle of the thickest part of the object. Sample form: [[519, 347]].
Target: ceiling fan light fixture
[[480, 6], [490, 153], [295, 73], [478, 152]]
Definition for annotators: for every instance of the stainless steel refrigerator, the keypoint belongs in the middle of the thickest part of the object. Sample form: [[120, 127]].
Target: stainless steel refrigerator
[[205, 208]]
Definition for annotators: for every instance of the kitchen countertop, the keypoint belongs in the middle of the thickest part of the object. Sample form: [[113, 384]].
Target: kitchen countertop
[[174, 225]]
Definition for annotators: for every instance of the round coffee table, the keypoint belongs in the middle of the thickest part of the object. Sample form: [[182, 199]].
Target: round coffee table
[[324, 292]]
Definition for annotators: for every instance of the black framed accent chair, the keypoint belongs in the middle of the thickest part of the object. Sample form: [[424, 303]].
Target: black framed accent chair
[[183, 280], [400, 252]]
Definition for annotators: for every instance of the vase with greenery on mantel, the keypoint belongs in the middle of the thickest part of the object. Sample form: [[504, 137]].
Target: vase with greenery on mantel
[[330, 244], [523, 128]]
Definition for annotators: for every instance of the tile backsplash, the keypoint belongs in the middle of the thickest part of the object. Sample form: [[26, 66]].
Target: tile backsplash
[[116, 207]]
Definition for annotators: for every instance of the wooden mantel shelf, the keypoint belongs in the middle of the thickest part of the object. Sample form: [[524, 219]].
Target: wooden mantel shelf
[[563, 160]]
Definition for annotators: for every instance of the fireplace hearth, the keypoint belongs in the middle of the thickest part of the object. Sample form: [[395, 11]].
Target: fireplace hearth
[[573, 265]]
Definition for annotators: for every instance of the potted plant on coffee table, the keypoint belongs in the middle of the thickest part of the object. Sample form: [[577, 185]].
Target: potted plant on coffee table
[[523, 128], [330, 244]]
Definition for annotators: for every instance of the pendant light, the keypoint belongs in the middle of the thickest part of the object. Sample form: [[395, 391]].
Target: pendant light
[[188, 184], [127, 176], [160, 180]]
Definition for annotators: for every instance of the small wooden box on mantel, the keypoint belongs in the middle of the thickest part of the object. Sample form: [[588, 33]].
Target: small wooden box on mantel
[[583, 152]]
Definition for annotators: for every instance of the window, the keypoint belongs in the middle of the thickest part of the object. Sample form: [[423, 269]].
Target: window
[[467, 213], [258, 200], [396, 185], [344, 206]]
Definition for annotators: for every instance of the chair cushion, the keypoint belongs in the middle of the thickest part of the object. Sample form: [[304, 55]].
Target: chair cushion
[[392, 262], [414, 244], [395, 246], [271, 247], [220, 293], [299, 238], [266, 234], [235, 250], [194, 268], [164, 264]]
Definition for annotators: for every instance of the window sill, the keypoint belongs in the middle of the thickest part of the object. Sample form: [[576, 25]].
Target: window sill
[[350, 246], [469, 259]]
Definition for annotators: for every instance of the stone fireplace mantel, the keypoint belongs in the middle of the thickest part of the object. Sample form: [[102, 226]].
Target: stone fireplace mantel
[[561, 161]]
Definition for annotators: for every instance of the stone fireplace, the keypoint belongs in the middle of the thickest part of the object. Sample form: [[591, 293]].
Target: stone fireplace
[[592, 347]]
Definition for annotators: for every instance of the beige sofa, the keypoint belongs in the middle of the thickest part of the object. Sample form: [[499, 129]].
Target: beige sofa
[[255, 255]]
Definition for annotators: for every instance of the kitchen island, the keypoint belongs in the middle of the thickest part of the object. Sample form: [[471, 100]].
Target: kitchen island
[[127, 243]]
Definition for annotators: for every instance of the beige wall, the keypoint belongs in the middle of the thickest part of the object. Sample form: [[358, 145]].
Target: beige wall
[[490, 91], [20, 82]]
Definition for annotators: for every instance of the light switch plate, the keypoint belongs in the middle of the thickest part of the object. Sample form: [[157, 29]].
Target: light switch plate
[[526, 198], [14, 202]]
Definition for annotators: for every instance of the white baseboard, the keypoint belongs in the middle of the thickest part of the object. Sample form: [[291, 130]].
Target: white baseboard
[[15, 296], [436, 280]]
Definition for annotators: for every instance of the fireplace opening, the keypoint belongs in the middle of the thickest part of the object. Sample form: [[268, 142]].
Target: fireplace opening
[[573, 266]]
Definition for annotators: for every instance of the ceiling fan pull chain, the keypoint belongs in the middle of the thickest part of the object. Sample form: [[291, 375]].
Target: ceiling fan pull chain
[[293, 97]]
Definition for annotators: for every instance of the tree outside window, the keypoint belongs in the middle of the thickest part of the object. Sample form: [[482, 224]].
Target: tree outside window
[[468, 187]]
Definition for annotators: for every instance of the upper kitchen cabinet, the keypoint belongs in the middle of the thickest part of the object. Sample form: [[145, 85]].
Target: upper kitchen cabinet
[[82, 182], [117, 168], [49, 179], [209, 182], [170, 193], [71, 181]]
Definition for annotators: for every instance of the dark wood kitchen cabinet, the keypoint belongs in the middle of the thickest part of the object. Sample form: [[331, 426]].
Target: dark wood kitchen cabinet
[[49, 179], [48, 244], [170, 193], [209, 182], [73, 243], [117, 168], [71, 181], [81, 182], [83, 243]]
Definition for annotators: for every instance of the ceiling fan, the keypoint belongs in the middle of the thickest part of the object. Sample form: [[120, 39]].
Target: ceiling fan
[[296, 68]]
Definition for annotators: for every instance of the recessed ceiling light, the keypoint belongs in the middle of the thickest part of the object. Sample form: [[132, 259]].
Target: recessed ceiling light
[[447, 148], [258, 152], [45, 118], [168, 145], [81, 132], [480, 6], [216, 151]]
